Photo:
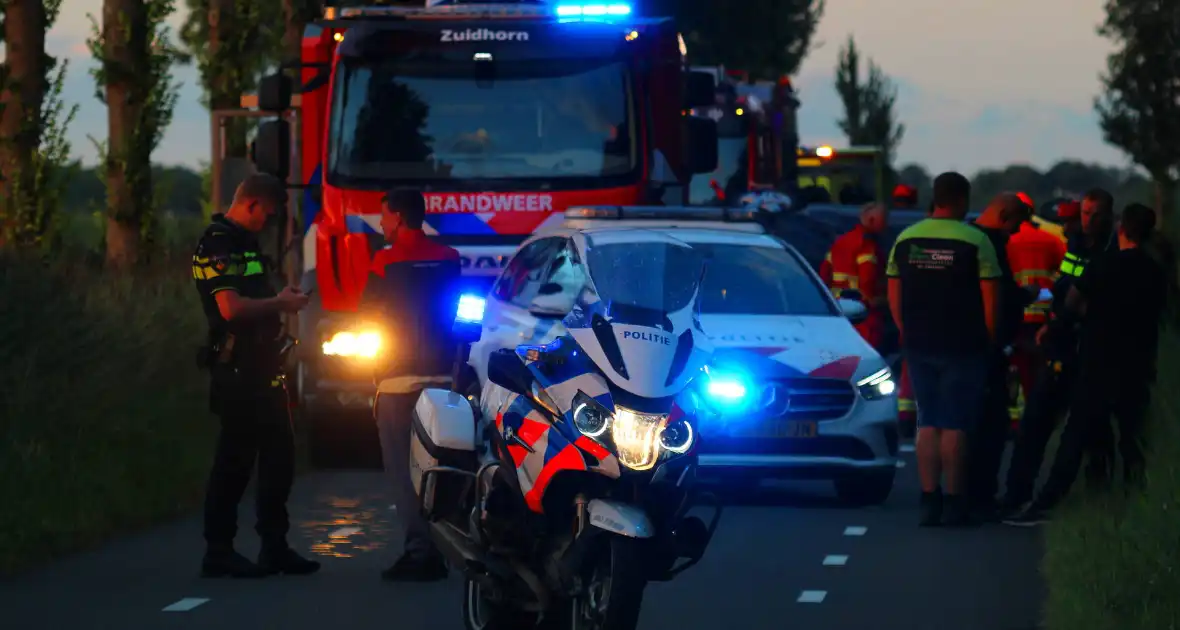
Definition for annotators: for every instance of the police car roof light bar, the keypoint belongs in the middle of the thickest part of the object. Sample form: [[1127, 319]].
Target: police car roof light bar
[[661, 213], [451, 10]]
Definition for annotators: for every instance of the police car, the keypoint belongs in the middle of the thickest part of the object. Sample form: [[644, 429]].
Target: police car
[[801, 394]]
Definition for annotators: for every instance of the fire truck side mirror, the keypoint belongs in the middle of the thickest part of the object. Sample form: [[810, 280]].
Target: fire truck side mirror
[[274, 92], [701, 142], [271, 149], [699, 89]]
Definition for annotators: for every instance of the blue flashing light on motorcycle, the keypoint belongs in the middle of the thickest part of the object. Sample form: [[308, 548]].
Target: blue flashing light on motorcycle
[[593, 10], [471, 309]]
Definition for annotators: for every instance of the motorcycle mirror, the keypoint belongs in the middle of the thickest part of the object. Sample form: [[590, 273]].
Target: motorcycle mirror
[[549, 288], [507, 370]]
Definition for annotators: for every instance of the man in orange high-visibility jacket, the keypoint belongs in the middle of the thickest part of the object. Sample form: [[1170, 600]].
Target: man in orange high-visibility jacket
[[855, 264], [1035, 256]]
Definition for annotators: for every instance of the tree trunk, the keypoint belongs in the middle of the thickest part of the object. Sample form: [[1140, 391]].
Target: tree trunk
[[223, 92], [20, 104], [125, 45], [293, 30]]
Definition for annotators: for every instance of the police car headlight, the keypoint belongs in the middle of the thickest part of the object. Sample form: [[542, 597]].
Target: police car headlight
[[877, 385], [358, 344]]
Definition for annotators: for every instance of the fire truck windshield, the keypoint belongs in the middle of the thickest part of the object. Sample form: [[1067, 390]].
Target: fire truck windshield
[[559, 124], [731, 176]]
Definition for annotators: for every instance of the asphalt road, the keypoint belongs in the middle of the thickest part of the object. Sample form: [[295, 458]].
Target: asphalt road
[[792, 559]]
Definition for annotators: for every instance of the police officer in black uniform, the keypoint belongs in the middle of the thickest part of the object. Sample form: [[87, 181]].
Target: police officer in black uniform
[[244, 354], [1059, 339]]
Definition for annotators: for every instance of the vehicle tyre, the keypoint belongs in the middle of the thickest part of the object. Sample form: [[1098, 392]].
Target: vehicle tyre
[[865, 488], [481, 613], [616, 578]]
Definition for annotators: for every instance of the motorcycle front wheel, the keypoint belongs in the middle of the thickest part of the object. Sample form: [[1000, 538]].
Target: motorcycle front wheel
[[481, 613], [615, 579]]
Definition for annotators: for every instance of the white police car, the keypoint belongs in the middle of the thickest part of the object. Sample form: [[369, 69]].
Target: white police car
[[801, 394]]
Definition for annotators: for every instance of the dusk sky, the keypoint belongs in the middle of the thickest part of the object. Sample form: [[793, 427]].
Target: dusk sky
[[982, 84]]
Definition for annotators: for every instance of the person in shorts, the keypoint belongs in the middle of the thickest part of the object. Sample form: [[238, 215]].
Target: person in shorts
[[944, 294]]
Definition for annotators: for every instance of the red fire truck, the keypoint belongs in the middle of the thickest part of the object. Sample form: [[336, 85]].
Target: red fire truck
[[503, 114], [760, 149]]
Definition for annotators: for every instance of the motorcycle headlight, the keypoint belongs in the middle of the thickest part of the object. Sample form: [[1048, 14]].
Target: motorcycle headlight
[[590, 418], [358, 344], [677, 437], [636, 437], [877, 385]]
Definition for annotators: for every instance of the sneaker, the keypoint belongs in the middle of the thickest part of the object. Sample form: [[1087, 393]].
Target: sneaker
[[958, 512], [1031, 516], [286, 561], [931, 509], [221, 563], [416, 568]]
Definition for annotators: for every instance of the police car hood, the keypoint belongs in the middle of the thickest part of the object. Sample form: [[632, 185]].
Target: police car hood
[[779, 347]]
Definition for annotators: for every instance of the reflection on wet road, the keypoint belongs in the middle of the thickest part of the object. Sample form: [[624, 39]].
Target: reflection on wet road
[[790, 559]]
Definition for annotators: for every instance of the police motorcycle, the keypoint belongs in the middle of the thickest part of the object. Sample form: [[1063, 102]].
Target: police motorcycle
[[567, 490]]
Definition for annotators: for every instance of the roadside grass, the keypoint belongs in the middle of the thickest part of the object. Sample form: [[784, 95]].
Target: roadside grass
[[1113, 562], [104, 423]]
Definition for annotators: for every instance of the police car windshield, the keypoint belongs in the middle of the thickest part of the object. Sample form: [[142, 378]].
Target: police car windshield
[[566, 122], [654, 277], [745, 280]]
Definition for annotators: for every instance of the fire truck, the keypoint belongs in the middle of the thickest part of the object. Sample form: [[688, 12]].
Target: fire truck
[[504, 114], [760, 150]]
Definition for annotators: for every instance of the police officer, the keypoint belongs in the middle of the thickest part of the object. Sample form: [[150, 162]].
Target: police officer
[[244, 355], [1058, 340], [412, 293]]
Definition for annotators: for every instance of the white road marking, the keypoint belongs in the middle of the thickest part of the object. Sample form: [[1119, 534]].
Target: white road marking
[[906, 448], [185, 604], [812, 597], [835, 561], [855, 530], [344, 532], [900, 463]]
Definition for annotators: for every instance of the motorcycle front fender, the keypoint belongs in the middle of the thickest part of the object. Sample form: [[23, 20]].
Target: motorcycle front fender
[[620, 518]]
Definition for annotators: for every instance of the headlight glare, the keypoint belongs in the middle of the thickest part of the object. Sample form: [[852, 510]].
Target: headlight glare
[[636, 438], [363, 344], [877, 385]]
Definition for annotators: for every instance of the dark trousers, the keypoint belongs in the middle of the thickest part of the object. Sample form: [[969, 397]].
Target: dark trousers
[[1101, 395], [1043, 406], [255, 429], [986, 444]]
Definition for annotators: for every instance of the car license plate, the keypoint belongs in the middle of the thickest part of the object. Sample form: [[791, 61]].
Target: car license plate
[[776, 429]]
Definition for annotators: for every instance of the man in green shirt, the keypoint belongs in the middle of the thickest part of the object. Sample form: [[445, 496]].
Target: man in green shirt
[[944, 295]]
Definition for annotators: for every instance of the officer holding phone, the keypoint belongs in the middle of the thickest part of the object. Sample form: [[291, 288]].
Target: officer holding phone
[[244, 354]]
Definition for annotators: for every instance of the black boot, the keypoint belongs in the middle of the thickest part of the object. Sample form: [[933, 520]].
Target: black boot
[[931, 509], [275, 560], [416, 567], [958, 512], [222, 562]]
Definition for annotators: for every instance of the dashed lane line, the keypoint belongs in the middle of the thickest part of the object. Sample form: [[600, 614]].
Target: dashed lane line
[[835, 561], [812, 597], [344, 532], [186, 604], [855, 530]]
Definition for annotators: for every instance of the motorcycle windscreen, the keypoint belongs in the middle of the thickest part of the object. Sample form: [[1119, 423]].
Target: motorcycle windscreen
[[638, 318]]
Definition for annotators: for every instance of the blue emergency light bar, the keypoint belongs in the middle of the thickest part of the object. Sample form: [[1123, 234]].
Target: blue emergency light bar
[[593, 10]]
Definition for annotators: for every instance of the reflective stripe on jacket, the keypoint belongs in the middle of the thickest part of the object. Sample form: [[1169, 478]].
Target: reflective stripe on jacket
[[1035, 257], [854, 263]]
